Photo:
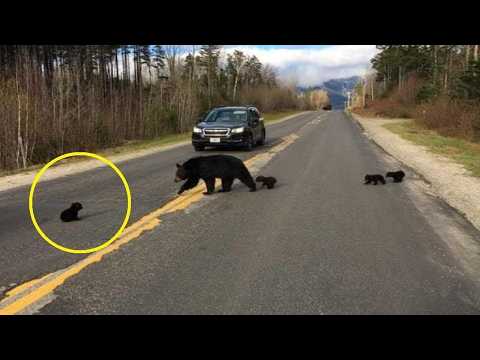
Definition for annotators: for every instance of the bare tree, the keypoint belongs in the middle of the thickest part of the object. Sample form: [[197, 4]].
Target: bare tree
[[237, 62]]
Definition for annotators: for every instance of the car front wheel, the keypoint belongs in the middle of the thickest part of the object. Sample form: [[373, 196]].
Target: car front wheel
[[262, 140], [249, 143]]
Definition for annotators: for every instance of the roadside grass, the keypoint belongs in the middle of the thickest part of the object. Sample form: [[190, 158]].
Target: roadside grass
[[139, 145], [461, 151], [19, 171]]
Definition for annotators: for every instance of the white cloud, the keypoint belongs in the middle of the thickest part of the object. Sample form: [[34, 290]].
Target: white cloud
[[311, 66]]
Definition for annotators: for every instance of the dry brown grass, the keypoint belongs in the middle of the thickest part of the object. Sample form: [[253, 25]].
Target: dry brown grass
[[451, 118], [387, 108]]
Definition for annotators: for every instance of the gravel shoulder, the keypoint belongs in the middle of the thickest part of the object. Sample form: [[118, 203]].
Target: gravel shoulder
[[449, 181]]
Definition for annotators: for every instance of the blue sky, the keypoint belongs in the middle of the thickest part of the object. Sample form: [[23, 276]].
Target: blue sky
[[292, 46], [310, 65]]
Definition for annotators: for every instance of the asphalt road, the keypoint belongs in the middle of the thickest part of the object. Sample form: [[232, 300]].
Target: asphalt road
[[25, 256], [321, 242]]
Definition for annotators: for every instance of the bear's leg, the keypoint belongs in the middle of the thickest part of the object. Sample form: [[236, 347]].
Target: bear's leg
[[210, 183], [227, 184], [190, 183], [248, 180]]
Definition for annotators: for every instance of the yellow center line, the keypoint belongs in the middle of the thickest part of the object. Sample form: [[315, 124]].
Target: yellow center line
[[27, 294]]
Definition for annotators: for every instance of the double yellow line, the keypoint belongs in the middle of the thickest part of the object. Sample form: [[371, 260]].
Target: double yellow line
[[25, 296]]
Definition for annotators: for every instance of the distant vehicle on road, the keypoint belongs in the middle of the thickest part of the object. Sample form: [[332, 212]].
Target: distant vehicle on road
[[327, 107], [230, 126]]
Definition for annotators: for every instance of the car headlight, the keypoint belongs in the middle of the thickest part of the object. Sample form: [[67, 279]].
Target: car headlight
[[197, 130], [238, 130]]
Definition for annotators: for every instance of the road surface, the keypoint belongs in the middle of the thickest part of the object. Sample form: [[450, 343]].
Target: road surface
[[321, 242]]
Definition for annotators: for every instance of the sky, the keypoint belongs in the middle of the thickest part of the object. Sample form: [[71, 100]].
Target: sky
[[311, 65]]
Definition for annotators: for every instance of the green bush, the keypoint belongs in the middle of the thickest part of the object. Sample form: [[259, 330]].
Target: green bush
[[426, 93]]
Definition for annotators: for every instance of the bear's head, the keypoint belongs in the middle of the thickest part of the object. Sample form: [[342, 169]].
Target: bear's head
[[77, 206], [181, 173]]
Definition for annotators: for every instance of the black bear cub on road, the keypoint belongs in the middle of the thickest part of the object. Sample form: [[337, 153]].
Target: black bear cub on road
[[268, 181], [396, 175], [375, 179], [71, 213], [208, 168]]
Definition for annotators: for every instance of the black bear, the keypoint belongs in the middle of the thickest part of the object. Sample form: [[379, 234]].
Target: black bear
[[396, 175], [374, 178], [71, 213], [268, 181], [226, 167]]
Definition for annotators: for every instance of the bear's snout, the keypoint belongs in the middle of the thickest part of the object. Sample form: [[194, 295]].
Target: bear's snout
[[177, 179]]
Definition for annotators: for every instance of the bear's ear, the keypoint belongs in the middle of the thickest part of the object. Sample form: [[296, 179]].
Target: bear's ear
[[178, 165]]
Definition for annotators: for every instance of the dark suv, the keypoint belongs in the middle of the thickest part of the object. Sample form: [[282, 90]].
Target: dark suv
[[229, 126]]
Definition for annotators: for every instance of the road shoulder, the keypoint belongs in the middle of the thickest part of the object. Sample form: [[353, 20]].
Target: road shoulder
[[449, 181]]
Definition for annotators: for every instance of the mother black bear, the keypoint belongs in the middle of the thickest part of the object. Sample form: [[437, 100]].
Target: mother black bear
[[226, 167]]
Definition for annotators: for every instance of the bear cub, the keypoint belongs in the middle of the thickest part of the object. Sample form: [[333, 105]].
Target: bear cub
[[374, 178], [208, 168], [396, 175], [268, 181], [71, 213]]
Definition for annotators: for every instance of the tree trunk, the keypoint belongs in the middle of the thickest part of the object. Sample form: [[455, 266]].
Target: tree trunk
[[364, 93], [399, 78], [435, 63], [446, 71], [19, 118], [467, 55], [371, 87], [235, 87]]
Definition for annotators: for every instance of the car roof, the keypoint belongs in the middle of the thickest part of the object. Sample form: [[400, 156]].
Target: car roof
[[235, 107]]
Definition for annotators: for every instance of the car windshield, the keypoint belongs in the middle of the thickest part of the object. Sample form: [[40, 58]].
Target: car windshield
[[227, 116]]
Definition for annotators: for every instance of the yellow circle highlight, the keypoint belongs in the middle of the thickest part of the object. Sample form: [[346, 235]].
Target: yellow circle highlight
[[63, 248]]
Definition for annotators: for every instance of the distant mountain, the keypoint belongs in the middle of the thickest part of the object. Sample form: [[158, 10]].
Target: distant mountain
[[337, 90]]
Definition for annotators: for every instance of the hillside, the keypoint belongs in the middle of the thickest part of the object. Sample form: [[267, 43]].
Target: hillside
[[337, 89]]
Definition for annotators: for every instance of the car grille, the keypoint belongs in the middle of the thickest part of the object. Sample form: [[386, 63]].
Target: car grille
[[216, 132]]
